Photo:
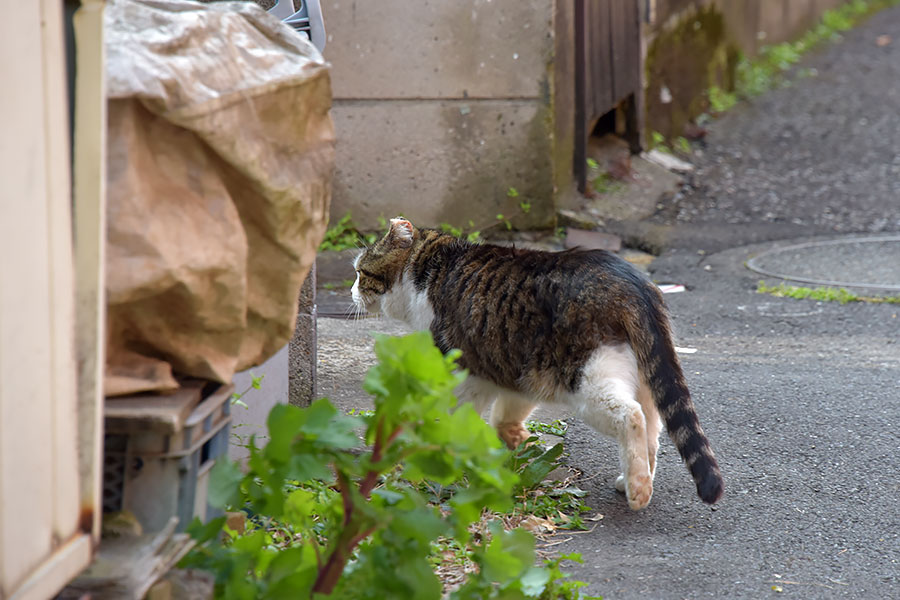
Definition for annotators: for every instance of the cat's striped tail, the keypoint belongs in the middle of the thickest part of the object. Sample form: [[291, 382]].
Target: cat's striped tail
[[651, 340]]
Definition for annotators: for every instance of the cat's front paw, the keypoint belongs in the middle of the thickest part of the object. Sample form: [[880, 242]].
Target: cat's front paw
[[513, 434], [638, 491]]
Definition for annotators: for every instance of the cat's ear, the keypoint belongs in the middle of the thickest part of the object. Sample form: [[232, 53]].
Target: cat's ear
[[402, 232]]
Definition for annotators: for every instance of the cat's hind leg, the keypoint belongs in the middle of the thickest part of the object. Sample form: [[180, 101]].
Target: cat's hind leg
[[480, 392], [607, 400], [654, 423], [654, 426], [508, 417]]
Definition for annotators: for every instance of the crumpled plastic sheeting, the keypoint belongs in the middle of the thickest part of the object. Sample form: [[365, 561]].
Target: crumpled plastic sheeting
[[220, 157]]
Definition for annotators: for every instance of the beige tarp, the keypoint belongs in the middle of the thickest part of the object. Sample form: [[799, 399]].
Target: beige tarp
[[221, 151]]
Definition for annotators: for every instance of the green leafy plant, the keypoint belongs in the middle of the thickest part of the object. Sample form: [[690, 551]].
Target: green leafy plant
[[255, 384], [556, 427], [720, 100], [524, 205], [682, 145], [346, 283], [561, 505], [472, 235], [506, 222], [335, 514], [344, 235], [658, 142], [565, 589], [605, 184]]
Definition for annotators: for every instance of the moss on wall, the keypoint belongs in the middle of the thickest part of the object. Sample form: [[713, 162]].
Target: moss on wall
[[683, 61]]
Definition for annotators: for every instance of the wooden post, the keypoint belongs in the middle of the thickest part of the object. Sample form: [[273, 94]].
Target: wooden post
[[581, 108], [90, 242]]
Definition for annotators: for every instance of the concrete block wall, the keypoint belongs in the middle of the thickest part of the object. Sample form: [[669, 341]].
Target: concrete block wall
[[441, 107]]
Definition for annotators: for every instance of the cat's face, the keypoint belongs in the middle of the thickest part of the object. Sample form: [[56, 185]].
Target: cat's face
[[378, 267]]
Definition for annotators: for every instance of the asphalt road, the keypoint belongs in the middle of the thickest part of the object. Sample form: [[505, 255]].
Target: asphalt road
[[799, 398]]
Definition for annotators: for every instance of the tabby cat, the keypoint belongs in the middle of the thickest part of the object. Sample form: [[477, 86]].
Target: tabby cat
[[581, 328]]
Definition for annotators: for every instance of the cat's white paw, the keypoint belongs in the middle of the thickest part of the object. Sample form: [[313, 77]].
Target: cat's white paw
[[620, 483], [639, 490]]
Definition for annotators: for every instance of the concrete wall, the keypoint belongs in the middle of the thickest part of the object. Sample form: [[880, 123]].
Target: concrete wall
[[440, 107], [251, 420]]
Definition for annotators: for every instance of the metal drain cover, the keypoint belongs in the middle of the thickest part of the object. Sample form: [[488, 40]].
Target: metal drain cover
[[871, 263]]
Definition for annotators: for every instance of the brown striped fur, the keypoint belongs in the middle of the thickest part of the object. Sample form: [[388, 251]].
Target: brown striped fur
[[579, 327]]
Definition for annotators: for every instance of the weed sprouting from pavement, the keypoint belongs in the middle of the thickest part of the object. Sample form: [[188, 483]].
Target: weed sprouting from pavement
[[822, 294]]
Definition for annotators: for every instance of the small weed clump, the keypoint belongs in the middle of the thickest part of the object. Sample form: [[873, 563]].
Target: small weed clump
[[344, 235], [602, 182], [822, 294], [472, 235], [557, 427]]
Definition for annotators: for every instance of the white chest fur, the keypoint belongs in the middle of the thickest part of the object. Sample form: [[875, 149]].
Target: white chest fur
[[407, 304]]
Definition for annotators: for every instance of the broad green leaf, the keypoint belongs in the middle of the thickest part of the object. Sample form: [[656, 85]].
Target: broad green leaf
[[299, 506], [436, 465], [509, 554], [224, 484], [318, 416], [306, 467], [284, 424], [340, 434], [203, 532], [422, 525], [540, 467], [294, 570], [534, 581], [390, 497], [250, 543], [420, 579]]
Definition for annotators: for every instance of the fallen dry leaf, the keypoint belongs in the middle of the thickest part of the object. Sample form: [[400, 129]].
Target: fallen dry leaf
[[883, 40], [536, 524]]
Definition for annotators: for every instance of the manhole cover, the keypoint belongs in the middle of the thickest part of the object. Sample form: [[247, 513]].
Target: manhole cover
[[871, 263]]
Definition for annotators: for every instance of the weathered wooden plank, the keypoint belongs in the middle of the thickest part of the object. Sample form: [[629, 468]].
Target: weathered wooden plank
[[618, 42], [152, 412], [126, 567], [579, 158], [26, 409], [89, 192], [601, 60], [66, 562], [627, 77], [61, 317]]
